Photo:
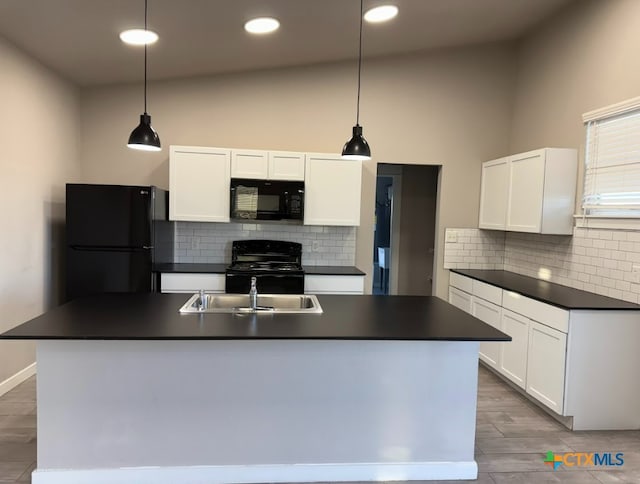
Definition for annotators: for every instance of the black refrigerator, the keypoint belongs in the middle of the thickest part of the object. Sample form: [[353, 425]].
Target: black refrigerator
[[115, 235]]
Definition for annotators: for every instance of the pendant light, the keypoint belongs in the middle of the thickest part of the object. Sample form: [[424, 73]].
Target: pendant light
[[357, 147], [144, 137]]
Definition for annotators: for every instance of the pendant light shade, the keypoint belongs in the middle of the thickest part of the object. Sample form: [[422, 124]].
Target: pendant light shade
[[357, 147], [144, 137]]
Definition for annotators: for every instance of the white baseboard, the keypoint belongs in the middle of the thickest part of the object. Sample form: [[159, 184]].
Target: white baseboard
[[238, 474], [15, 380]]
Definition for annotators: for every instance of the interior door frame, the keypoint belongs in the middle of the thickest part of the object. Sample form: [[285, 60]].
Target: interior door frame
[[394, 242]]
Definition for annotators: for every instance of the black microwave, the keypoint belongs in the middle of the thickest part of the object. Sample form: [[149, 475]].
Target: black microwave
[[267, 199]]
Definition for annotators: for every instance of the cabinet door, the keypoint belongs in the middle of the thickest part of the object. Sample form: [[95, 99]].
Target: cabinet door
[[460, 299], [199, 184], [330, 284], [494, 193], [284, 165], [332, 190], [514, 353], [192, 283], [526, 192], [545, 365], [249, 164], [490, 314]]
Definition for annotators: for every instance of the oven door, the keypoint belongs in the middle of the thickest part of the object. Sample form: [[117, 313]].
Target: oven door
[[240, 283]]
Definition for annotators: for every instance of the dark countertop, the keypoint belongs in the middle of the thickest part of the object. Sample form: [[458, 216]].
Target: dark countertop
[[332, 271], [547, 292], [155, 316], [191, 267], [220, 268]]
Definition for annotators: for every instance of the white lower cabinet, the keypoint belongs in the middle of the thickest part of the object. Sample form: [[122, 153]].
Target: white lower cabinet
[[332, 284], [490, 314], [191, 282], [535, 357], [514, 354], [546, 365], [575, 362]]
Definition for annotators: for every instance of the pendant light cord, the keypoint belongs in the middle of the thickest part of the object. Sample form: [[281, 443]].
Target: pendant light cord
[[359, 62], [145, 59]]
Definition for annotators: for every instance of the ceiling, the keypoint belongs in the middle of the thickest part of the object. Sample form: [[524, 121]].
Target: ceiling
[[79, 38]]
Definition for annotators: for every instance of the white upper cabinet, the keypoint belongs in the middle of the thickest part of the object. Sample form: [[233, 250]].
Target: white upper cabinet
[[286, 165], [249, 164], [199, 182], [493, 196], [524, 211], [530, 192], [267, 165], [332, 190]]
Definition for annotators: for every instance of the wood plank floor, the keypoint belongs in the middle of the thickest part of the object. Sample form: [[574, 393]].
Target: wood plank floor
[[512, 439]]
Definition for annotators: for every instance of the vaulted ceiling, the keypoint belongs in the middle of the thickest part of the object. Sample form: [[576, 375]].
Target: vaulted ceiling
[[79, 38]]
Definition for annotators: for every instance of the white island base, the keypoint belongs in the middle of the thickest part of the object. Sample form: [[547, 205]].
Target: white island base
[[241, 411]]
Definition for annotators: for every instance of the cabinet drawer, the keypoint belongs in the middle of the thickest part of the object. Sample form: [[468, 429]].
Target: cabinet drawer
[[460, 299], [191, 282], [316, 284], [461, 282], [486, 312], [538, 311], [488, 292]]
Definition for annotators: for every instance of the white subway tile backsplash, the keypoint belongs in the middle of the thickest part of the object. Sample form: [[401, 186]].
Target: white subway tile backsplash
[[211, 242], [599, 261]]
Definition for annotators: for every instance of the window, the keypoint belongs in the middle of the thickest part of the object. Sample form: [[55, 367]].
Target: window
[[612, 161]]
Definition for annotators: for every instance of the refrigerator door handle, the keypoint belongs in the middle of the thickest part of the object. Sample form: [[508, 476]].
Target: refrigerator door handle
[[147, 246]]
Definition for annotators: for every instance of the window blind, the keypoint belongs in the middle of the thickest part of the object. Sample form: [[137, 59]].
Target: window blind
[[612, 165]]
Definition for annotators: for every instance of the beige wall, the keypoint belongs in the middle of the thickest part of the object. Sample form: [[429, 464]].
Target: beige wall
[[450, 107], [584, 58], [38, 126]]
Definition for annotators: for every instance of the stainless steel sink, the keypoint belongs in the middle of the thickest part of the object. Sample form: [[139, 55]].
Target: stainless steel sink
[[267, 303]]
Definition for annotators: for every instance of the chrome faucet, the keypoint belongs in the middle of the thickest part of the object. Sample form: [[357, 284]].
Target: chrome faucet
[[202, 301], [253, 295]]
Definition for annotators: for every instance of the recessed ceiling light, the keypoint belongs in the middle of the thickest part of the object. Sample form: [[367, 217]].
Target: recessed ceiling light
[[138, 37], [262, 25], [381, 13]]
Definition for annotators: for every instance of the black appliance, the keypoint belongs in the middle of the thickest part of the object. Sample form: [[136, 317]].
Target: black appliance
[[267, 199], [114, 236], [276, 265]]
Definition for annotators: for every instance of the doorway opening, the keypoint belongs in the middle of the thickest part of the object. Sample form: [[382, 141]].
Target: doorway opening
[[405, 229]]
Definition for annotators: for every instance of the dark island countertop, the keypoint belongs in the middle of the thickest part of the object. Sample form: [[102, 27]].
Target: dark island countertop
[[547, 292], [346, 317], [194, 267]]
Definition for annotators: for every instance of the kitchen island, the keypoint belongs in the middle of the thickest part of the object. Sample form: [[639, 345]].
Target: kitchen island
[[374, 388]]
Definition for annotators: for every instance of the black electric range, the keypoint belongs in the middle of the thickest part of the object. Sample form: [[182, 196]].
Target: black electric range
[[276, 265]]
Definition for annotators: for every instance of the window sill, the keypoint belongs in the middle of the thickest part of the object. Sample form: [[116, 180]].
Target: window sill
[[613, 223]]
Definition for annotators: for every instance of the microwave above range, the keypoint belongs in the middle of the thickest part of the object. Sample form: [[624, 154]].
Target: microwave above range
[[267, 200]]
